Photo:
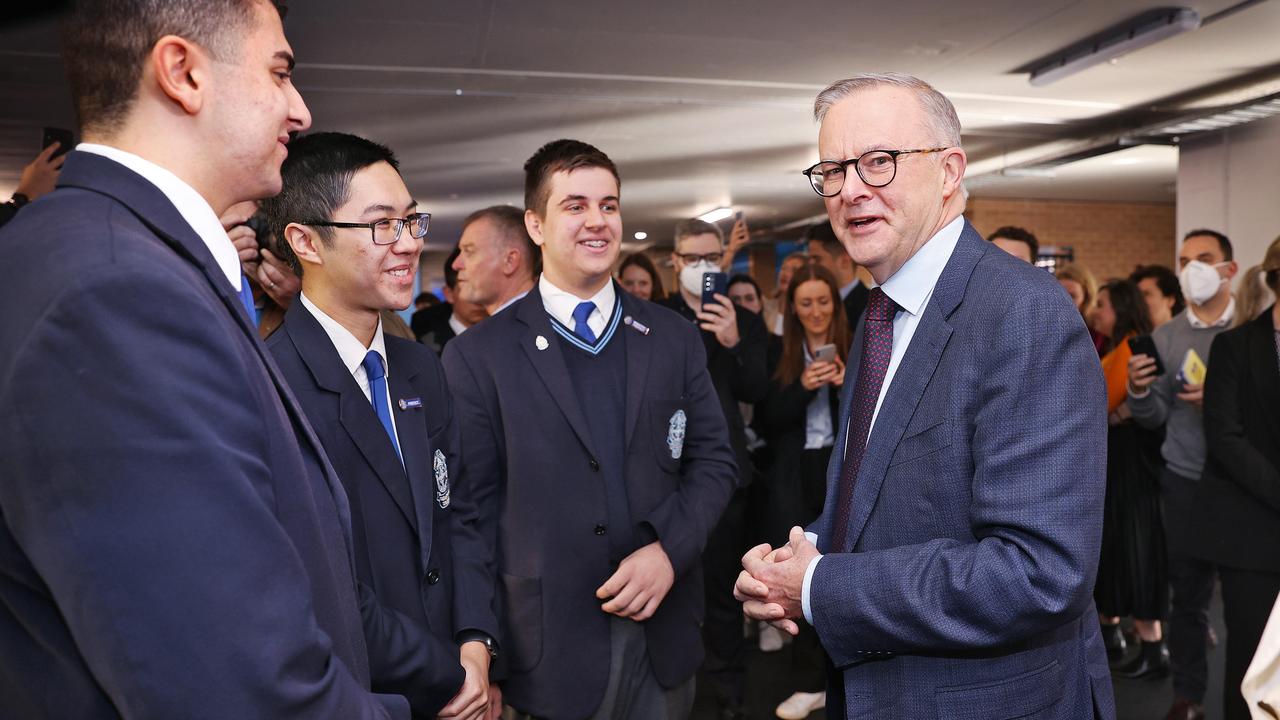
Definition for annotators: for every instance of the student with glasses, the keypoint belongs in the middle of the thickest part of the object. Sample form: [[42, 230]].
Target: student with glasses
[[381, 408]]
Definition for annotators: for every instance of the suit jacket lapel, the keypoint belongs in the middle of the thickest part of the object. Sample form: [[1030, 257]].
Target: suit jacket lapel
[[419, 466], [639, 356], [355, 412], [549, 363], [910, 379], [107, 177]]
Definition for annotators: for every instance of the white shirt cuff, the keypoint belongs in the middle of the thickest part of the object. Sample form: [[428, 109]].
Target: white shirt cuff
[[808, 579]]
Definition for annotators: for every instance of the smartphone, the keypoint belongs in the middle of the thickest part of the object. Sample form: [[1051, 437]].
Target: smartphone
[[737, 217], [61, 136], [1144, 345], [824, 353], [714, 283]]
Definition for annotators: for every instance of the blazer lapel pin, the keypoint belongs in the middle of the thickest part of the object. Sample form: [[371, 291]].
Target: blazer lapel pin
[[635, 325], [541, 343], [407, 403]]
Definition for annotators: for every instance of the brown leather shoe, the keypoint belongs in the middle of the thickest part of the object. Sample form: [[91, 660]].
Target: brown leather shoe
[[1185, 710]]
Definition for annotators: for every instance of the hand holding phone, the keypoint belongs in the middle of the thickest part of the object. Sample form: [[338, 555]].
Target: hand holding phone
[[62, 137], [1144, 345]]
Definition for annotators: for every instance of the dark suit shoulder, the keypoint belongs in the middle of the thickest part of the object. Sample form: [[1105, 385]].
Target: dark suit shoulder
[[78, 230]]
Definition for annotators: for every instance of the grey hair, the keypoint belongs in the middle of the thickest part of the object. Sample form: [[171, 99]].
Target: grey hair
[[940, 113]]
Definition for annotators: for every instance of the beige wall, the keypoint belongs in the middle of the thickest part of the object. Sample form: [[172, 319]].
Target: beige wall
[[1110, 238]]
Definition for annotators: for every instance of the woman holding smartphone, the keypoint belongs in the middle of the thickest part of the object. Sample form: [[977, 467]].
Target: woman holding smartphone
[[798, 419], [1133, 575]]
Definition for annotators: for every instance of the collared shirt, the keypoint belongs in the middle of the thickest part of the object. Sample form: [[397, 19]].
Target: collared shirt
[[509, 303], [560, 304], [351, 351], [457, 325], [191, 206], [910, 287], [819, 432], [1224, 321]]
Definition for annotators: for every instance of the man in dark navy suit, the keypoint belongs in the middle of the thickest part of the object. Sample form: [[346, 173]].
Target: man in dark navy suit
[[174, 543], [596, 450], [950, 574], [382, 410]]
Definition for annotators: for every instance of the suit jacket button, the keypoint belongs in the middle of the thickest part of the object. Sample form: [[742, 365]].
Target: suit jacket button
[[600, 530], [595, 465], [433, 576]]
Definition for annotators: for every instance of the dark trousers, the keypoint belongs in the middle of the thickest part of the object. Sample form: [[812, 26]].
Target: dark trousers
[[725, 668], [1247, 599], [1191, 582]]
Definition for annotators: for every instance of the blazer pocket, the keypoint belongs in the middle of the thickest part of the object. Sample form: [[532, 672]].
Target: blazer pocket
[[522, 643], [1021, 696], [922, 442], [669, 423]]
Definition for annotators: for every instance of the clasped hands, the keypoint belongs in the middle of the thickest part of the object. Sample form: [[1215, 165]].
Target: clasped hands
[[772, 580]]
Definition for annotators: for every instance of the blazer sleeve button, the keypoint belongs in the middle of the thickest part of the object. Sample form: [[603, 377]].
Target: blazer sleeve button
[[600, 530]]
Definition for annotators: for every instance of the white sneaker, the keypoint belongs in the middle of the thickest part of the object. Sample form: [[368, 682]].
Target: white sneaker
[[771, 638], [799, 705]]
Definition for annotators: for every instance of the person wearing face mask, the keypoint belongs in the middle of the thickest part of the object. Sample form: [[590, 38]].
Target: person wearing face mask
[[736, 344], [1168, 400], [797, 419]]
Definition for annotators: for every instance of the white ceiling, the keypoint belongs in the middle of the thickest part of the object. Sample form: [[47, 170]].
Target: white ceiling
[[701, 104]]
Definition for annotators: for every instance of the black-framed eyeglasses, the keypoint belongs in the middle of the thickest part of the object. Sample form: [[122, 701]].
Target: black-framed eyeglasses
[[877, 168], [694, 258], [387, 230]]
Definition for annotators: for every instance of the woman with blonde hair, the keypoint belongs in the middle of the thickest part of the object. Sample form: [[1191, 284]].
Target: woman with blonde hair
[[1083, 289], [1254, 295]]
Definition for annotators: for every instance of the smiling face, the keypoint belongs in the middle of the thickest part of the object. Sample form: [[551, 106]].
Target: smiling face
[[814, 307], [636, 280], [883, 227], [253, 108], [353, 276], [580, 232]]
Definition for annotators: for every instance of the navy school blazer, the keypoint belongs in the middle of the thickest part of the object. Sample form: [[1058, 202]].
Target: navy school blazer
[[173, 542], [529, 461]]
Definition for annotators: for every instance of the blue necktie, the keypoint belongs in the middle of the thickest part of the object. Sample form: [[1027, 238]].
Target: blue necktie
[[378, 395], [580, 326], [246, 297]]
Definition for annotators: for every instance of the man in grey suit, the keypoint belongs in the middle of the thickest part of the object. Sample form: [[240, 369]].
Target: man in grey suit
[[950, 574]]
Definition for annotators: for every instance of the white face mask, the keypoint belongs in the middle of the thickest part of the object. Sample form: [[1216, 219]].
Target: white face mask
[[1200, 281], [691, 276]]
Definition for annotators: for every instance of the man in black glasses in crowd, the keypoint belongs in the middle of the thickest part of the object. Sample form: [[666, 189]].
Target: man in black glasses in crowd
[[736, 344], [382, 411]]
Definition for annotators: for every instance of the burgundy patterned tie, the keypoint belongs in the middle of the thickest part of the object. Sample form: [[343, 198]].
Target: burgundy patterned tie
[[877, 346]]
